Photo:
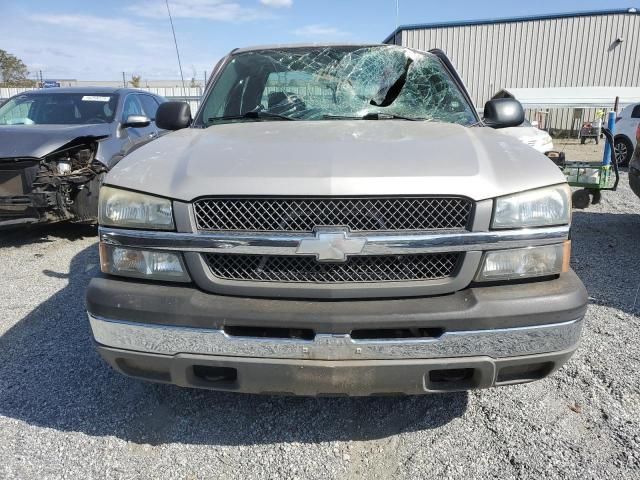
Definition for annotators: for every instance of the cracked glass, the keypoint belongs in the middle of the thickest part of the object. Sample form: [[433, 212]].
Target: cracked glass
[[332, 83]]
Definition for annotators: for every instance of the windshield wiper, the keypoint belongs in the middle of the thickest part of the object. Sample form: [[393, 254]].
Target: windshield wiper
[[373, 116], [252, 115]]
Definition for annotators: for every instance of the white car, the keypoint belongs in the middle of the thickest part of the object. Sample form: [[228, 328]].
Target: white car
[[531, 135], [625, 134]]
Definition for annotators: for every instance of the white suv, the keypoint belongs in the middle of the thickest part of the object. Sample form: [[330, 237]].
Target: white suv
[[625, 139]]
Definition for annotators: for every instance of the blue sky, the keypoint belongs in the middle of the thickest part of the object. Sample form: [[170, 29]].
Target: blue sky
[[97, 40]]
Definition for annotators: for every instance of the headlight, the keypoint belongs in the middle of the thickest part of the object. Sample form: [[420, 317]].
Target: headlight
[[122, 208], [149, 264], [525, 262], [536, 208]]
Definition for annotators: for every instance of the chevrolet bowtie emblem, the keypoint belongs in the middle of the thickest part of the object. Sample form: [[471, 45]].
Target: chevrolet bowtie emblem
[[331, 245]]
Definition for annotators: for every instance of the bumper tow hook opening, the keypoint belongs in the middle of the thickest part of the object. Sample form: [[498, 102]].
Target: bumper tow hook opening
[[215, 375], [453, 379]]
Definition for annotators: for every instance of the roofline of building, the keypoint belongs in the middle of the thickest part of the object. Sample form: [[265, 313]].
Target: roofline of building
[[490, 21]]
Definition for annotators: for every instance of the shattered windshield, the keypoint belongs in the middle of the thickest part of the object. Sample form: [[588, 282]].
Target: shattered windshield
[[59, 109], [331, 83]]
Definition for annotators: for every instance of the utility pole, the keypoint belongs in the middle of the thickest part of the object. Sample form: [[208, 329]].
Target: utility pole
[[124, 80], [397, 14]]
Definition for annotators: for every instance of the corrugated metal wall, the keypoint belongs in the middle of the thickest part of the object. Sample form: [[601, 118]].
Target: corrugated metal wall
[[555, 52]]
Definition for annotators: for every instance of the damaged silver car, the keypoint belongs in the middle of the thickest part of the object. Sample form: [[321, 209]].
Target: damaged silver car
[[56, 146]]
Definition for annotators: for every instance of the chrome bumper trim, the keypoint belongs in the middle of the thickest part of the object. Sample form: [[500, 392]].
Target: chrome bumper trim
[[376, 243], [497, 343]]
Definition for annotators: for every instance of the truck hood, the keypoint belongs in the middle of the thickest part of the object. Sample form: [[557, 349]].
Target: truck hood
[[334, 158], [36, 141]]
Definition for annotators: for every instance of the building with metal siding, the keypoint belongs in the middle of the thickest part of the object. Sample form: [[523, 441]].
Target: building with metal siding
[[599, 48]]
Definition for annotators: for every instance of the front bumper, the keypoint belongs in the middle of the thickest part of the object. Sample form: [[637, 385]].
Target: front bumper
[[478, 337], [333, 378], [18, 205]]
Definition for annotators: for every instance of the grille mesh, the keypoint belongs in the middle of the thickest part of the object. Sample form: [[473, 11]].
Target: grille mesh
[[359, 214], [358, 269]]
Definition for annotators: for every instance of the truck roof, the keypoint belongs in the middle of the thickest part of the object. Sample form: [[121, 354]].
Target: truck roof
[[303, 45]]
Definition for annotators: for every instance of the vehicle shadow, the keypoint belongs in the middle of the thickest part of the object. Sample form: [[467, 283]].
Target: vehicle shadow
[[51, 376], [605, 256], [18, 237]]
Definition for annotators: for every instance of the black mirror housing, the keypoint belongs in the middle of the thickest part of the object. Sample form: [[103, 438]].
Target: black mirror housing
[[503, 113], [173, 116], [136, 121]]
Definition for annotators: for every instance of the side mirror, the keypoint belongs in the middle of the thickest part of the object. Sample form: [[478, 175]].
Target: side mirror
[[503, 113], [136, 121], [173, 116]]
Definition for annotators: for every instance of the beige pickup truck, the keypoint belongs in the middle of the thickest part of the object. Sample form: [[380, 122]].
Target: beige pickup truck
[[336, 220]]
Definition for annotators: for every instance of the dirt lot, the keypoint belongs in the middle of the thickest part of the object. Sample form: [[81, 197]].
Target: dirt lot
[[589, 152], [65, 414]]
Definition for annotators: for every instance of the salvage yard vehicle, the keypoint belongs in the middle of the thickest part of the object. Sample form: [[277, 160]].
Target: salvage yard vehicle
[[625, 141], [634, 166], [590, 130], [531, 135], [336, 220], [57, 144]]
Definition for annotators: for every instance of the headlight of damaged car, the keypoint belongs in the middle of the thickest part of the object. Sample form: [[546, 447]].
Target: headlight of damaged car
[[122, 208], [535, 208]]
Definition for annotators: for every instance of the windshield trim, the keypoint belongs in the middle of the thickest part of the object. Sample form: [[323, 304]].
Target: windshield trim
[[198, 121]]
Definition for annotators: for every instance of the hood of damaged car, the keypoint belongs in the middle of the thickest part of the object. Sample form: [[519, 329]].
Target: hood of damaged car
[[335, 158], [37, 141]]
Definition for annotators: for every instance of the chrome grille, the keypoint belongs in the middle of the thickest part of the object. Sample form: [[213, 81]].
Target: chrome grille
[[358, 269], [358, 214]]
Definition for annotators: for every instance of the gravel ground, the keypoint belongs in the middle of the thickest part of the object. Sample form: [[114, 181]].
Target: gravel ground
[[65, 414]]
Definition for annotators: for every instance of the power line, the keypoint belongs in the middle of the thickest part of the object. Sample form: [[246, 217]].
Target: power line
[[175, 41]]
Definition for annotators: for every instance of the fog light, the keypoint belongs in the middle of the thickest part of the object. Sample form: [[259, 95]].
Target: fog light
[[149, 264], [525, 262]]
